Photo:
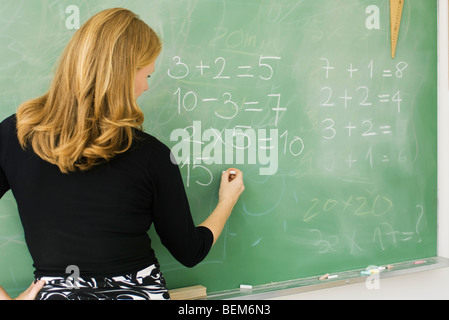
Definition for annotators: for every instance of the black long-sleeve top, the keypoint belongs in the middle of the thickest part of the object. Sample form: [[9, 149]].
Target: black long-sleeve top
[[99, 219]]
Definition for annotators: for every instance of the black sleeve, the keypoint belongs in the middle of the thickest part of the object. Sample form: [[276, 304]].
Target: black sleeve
[[4, 136], [4, 186], [172, 217]]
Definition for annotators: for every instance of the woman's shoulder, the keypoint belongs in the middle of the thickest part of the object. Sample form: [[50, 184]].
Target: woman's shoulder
[[143, 138], [8, 121], [151, 145], [8, 126], [153, 151]]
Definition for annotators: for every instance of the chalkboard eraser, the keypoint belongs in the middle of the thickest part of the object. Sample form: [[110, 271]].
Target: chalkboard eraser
[[246, 287], [188, 293]]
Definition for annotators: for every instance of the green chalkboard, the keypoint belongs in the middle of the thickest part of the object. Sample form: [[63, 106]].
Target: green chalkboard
[[337, 140]]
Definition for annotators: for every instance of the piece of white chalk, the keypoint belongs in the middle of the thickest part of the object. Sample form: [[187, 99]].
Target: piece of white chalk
[[232, 172], [246, 287], [365, 273], [333, 276], [323, 277]]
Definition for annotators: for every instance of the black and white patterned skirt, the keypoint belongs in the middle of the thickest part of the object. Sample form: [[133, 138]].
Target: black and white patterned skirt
[[147, 284]]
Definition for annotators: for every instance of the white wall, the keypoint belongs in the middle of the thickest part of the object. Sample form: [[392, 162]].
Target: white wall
[[432, 284]]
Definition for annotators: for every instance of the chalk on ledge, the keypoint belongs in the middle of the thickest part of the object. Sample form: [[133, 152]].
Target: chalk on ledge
[[365, 273], [386, 267], [246, 287], [420, 262], [370, 271], [328, 276], [324, 277]]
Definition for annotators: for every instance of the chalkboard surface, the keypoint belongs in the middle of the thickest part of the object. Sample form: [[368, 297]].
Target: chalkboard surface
[[337, 140]]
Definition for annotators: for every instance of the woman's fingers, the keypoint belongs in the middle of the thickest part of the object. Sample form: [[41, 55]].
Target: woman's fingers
[[4, 295], [32, 291]]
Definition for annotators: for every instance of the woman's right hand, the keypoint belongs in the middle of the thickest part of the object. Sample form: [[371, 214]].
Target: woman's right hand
[[231, 186]]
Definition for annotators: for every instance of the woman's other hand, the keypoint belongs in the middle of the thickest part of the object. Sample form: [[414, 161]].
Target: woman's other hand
[[28, 294]]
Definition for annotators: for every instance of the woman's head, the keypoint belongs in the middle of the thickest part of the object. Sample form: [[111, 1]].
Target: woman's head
[[90, 109], [107, 51]]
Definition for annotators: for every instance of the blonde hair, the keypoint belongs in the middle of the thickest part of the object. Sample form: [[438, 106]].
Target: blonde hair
[[88, 114]]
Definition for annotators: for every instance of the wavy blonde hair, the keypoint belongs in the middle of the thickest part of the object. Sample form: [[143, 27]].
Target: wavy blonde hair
[[88, 114]]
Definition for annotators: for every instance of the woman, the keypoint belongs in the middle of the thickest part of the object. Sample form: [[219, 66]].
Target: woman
[[89, 182]]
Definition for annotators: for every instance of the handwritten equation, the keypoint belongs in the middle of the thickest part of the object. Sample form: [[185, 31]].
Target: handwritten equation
[[208, 90], [189, 100], [356, 113]]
